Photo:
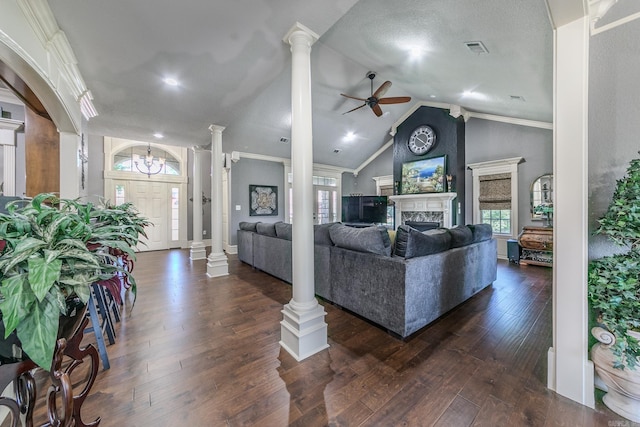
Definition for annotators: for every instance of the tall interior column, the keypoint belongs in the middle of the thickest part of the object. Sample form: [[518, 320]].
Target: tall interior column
[[8, 130], [217, 264], [303, 330], [197, 250]]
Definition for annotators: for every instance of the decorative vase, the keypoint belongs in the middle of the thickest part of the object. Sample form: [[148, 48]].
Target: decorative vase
[[623, 394]]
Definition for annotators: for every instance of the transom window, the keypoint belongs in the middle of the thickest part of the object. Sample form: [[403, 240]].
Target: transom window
[[161, 162]]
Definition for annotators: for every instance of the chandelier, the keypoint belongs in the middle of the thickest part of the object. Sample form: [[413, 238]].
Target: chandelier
[[149, 162]]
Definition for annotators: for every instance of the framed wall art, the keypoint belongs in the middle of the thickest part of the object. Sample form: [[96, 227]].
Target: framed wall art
[[263, 200]]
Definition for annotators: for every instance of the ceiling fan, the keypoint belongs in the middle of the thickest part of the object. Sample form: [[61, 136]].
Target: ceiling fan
[[376, 99]]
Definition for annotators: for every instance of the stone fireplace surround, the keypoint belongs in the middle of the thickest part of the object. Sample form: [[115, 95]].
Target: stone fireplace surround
[[424, 207]]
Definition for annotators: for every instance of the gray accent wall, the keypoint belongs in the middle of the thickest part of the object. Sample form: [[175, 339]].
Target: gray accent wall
[[247, 172], [490, 140], [364, 183], [614, 124]]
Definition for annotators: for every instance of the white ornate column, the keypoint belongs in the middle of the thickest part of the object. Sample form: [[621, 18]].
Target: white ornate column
[[197, 245], [303, 329], [8, 130], [217, 264]]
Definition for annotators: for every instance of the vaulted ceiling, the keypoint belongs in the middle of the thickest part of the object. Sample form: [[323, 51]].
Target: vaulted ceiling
[[234, 69]]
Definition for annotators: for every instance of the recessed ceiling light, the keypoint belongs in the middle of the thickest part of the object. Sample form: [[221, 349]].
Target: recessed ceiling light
[[467, 93], [416, 52], [158, 135], [432, 96], [170, 81], [350, 136]]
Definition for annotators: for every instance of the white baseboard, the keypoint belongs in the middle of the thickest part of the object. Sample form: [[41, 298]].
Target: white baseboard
[[231, 249]]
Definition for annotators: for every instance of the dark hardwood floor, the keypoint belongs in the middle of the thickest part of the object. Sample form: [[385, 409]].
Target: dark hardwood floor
[[204, 352]]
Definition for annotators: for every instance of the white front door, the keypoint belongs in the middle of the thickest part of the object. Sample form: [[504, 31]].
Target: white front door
[[152, 200]]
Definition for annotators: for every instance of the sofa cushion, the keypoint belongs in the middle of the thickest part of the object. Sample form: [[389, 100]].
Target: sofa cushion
[[402, 236], [427, 242], [247, 226], [369, 239], [461, 235], [481, 232], [266, 228], [283, 230], [321, 234]]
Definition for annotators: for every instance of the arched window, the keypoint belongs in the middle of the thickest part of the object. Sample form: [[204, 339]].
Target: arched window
[[150, 161]]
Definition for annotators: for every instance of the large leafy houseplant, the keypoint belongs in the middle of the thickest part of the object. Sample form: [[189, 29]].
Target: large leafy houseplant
[[614, 281], [54, 250]]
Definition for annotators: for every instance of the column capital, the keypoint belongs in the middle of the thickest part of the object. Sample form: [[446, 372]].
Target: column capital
[[216, 128], [300, 30], [199, 149]]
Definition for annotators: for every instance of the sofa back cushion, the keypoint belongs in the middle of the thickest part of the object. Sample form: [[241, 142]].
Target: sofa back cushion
[[402, 236], [461, 235], [266, 228], [427, 242], [283, 230], [481, 232], [321, 234], [369, 239], [247, 226]]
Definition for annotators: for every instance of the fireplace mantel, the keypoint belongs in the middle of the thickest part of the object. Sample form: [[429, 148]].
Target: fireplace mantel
[[427, 202]]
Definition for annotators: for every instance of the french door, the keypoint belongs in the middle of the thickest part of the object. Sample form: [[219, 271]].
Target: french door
[[325, 204]]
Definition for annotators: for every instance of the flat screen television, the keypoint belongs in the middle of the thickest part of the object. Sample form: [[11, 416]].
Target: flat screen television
[[424, 176], [364, 209]]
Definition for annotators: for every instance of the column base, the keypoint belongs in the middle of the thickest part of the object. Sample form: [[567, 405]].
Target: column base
[[303, 334], [197, 251], [217, 265]]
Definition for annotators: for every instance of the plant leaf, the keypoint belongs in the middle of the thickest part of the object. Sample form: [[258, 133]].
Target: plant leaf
[[17, 302], [43, 274], [38, 332]]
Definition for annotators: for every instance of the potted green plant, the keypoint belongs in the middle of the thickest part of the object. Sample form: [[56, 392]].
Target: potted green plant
[[614, 295], [54, 251]]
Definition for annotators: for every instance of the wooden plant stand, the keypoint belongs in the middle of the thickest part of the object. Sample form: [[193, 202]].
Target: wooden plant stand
[[24, 385]]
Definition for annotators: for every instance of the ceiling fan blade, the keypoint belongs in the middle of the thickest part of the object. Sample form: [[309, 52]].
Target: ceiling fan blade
[[353, 97], [357, 108], [377, 110], [394, 100], [382, 89]]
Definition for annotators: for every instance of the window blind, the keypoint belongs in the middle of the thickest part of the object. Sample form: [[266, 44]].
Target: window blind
[[495, 191]]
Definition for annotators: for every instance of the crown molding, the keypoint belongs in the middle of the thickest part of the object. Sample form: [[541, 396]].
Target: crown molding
[[12, 125], [458, 111]]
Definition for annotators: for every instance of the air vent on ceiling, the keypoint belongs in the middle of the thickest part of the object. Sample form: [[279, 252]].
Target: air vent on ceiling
[[516, 98], [476, 47], [284, 140], [337, 150]]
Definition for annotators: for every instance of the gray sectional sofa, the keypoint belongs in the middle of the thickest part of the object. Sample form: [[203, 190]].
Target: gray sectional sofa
[[402, 285]]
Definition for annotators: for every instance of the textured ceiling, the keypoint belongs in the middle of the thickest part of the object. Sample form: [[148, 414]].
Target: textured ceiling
[[234, 67]]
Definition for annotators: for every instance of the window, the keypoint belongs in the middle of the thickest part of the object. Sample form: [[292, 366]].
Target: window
[[125, 160], [120, 196], [495, 197], [495, 201], [175, 213]]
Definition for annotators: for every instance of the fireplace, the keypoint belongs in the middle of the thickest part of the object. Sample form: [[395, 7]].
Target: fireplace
[[425, 207]]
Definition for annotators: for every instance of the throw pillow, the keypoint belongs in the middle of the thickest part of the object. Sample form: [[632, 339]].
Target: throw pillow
[[247, 226], [283, 230], [402, 236], [368, 239], [266, 228], [461, 235], [427, 243], [481, 232]]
